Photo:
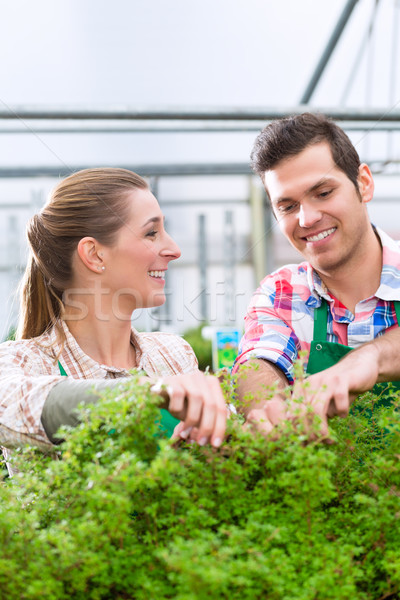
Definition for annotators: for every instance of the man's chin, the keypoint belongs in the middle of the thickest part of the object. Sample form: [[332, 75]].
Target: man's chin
[[326, 267]]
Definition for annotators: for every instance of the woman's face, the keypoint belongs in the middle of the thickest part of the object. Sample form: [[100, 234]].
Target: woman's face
[[135, 266]]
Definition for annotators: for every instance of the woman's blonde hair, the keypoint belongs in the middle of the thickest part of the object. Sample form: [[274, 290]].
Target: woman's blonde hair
[[92, 202]]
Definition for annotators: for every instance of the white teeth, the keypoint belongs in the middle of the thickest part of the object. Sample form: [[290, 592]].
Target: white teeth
[[320, 236], [160, 274]]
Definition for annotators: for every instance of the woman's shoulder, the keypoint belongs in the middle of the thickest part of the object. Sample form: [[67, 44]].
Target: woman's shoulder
[[169, 348], [17, 346], [172, 341], [26, 350]]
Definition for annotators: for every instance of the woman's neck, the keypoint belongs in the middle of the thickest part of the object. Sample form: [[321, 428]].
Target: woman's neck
[[103, 337]]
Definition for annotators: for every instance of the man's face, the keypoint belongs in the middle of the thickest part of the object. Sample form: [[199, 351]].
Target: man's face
[[318, 208]]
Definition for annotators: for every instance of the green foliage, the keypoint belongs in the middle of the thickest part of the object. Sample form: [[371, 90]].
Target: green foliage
[[202, 348], [11, 334], [125, 515]]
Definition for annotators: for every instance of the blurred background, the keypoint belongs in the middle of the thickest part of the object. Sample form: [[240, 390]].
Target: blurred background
[[177, 90]]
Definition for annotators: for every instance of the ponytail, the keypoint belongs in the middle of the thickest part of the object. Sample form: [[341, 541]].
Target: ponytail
[[40, 306]]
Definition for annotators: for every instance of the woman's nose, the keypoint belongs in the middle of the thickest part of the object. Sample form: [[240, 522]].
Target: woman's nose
[[171, 248]]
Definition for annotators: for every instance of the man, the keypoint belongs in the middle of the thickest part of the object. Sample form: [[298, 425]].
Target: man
[[345, 293]]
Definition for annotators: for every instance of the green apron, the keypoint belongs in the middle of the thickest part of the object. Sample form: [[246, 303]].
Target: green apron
[[166, 424], [325, 354]]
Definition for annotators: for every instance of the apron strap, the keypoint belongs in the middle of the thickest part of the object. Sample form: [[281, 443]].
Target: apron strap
[[62, 370], [321, 321], [397, 309]]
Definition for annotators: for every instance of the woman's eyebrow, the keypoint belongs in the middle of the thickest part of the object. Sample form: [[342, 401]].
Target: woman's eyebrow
[[153, 220]]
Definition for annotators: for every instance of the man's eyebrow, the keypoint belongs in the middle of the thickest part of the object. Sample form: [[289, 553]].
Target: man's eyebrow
[[321, 183], [313, 188], [282, 200]]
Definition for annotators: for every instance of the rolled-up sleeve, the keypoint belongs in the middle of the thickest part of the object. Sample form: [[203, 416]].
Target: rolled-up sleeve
[[268, 332], [23, 392]]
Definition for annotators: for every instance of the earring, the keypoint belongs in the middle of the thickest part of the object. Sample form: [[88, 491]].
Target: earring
[[101, 268]]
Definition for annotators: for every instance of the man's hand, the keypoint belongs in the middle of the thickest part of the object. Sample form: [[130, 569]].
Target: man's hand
[[328, 393], [197, 400], [332, 391], [276, 411], [266, 418]]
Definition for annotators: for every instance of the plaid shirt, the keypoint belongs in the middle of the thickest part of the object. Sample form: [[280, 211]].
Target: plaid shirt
[[280, 318], [29, 370]]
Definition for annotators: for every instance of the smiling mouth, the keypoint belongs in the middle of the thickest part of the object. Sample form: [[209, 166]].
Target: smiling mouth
[[320, 236], [157, 274]]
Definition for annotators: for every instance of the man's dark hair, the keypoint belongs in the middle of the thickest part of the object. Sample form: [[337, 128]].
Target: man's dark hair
[[287, 137]]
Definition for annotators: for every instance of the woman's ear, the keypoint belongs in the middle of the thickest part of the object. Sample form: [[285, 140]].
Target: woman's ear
[[365, 183], [90, 252]]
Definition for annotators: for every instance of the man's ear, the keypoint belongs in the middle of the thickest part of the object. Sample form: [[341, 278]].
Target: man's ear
[[366, 184], [90, 252]]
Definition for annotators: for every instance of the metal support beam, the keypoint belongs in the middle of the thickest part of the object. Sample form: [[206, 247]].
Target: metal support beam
[[37, 113], [259, 231], [203, 266], [333, 40], [229, 267], [171, 127], [160, 170]]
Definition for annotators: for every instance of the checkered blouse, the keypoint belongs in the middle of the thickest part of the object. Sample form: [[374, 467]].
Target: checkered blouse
[[29, 370]]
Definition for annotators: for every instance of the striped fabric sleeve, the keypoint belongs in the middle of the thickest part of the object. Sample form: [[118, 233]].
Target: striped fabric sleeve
[[267, 335], [22, 394]]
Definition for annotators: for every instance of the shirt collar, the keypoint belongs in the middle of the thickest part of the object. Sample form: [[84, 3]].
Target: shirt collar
[[92, 366], [317, 288], [389, 287]]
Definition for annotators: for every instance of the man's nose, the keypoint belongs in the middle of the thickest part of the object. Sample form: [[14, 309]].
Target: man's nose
[[308, 215]]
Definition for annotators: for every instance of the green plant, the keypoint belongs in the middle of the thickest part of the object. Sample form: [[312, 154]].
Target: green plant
[[202, 348], [125, 515], [11, 334]]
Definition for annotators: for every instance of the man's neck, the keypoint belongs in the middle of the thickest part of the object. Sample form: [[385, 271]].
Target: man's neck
[[359, 278]]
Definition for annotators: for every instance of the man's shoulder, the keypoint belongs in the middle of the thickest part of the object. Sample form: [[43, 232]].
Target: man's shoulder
[[292, 274], [288, 284], [390, 246]]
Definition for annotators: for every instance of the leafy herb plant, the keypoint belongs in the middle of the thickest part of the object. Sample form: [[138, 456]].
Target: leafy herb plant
[[124, 514]]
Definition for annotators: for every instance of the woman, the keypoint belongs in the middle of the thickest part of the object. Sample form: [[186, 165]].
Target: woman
[[99, 251]]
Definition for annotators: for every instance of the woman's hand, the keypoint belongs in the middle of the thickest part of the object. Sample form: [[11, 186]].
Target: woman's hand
[[197, 400]]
